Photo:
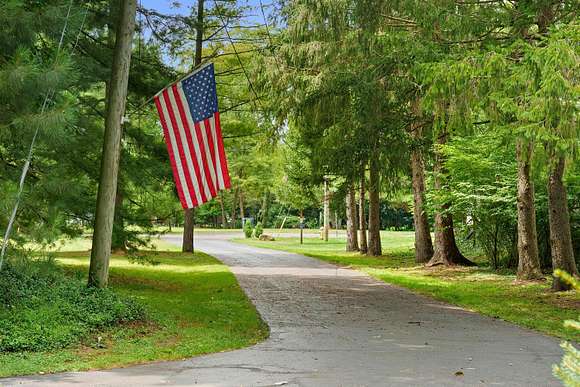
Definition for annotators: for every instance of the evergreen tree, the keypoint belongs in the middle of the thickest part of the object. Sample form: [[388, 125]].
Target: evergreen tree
[[37, 80]]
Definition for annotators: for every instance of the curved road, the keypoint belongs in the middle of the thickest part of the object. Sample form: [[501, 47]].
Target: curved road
[[338, 327]]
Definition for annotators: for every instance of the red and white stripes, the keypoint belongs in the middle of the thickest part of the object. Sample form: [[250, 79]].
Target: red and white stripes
[[196, 149]]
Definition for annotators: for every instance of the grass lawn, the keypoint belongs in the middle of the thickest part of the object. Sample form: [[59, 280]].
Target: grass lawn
[[82, 244], [194, 303], [479, 289]]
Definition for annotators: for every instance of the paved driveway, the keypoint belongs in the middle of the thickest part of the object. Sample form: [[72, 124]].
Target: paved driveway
[[338, 327]]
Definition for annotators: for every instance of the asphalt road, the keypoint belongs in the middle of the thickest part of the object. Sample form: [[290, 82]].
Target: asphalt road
[[338, 327]]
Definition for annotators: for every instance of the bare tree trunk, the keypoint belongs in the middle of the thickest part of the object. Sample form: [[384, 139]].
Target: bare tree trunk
[[355, 209], [361, 214], [188, 225], [528, 258], [265, 208], [105, 211], [301, 226], [423, 243], [560, 234], [351, 237], [234, 207], [189, 215], [223, 210], [117, 239], [374, 245], [446, 250], [241, 202], [199, 32]]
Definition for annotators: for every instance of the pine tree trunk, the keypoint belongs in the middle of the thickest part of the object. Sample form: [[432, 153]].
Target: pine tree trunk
[[560, 233], [105, 211], [355, 207], [374, 243], [119, 239], [189, 215], [362, 215], [188, 226], [351, 237], [199, 32], [528, 258], [446, 250], [423, 243]]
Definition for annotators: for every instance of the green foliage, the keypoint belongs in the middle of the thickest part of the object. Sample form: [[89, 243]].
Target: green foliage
[[258, 230], [340, 111], [482, 170], [573, 186], [248, 229], [194, 304], [60, 191], [568, 371], [42, 309], [32, 69]]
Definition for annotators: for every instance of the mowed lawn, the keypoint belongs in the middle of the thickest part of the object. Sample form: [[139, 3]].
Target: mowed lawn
[[194, 304], [479, 289]]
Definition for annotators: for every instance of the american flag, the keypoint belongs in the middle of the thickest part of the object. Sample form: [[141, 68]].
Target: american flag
[[189, 114]]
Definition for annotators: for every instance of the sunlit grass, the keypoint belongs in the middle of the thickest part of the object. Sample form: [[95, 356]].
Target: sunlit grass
[[194, 303], [480, 289], [83, 243]]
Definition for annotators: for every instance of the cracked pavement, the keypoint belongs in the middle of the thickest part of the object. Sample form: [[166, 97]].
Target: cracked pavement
[[338, 327]]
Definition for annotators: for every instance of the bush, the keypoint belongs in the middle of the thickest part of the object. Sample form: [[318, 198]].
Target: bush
[[248, 230], [482, 189], [568, 371], [258, 230], [292, 221], [42, 309]]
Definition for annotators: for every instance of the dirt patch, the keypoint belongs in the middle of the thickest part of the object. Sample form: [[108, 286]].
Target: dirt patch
[[567, 300]]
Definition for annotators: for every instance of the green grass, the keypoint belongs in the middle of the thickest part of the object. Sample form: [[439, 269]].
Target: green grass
[[84, 242], [479, 289], [195, 307]]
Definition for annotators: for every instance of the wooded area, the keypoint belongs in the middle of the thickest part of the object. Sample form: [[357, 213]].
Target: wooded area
[[455, 119], [468, 106]]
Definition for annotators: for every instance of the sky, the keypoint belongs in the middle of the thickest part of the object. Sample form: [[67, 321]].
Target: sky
[[182, 7], [168, 7]]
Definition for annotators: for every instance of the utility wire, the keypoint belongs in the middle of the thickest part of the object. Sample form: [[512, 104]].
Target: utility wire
[[224, 24], [138, 109]]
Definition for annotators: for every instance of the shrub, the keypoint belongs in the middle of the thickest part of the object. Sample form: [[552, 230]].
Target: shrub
[[568, 371], [248, 230], [258, 230], [42, 309], [292, 221]]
